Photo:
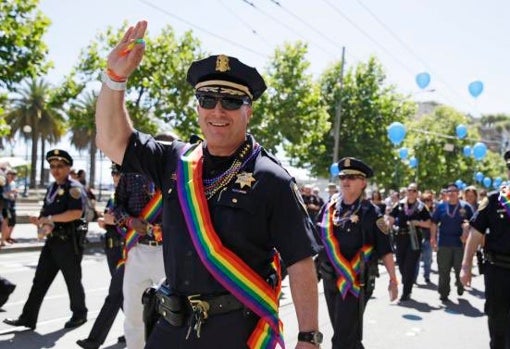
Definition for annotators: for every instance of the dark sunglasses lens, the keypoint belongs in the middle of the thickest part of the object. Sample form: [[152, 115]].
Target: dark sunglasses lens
[[348, 177], [231, 103], [207, 102]]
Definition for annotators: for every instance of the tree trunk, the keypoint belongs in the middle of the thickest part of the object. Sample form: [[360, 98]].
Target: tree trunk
[[43, 153], [92, 170], [33, 161]]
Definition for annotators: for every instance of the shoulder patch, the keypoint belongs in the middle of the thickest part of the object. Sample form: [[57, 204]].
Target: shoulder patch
[[483, 204], [75, 192], [383, 227]]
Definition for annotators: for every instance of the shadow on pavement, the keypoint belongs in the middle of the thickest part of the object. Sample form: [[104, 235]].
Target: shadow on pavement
[[462, 308], [28, 339], [420, 306]]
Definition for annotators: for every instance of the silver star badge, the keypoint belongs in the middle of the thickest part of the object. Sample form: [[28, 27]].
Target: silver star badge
[[245, 179]]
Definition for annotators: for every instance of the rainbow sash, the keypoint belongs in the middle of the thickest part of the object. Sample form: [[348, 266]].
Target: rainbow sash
[[226, 267], [348, 271], [151, 212], [504, 200]]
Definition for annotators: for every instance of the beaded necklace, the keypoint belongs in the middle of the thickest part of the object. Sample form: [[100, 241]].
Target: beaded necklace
[[52, 194], [454, 210], [410, 210], [342, 215], [213, 185]]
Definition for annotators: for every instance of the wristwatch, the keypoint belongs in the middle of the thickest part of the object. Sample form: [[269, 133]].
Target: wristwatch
[[314, 337]]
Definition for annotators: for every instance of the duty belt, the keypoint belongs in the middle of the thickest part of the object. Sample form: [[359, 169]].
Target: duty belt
[[499, 260], [194, 310]]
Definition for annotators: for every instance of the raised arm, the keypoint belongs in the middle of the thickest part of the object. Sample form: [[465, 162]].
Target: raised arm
[[113, 125]]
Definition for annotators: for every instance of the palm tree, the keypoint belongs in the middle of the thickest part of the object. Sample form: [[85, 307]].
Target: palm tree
[[81, 119], [33, 106]]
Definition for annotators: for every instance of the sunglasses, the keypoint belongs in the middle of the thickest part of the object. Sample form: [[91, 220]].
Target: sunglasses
[[227, 103], [350, 177], [412, 190]]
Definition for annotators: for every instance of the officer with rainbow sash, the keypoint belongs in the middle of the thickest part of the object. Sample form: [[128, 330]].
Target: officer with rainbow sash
[[492, 223], [229, 210], [354, 236]]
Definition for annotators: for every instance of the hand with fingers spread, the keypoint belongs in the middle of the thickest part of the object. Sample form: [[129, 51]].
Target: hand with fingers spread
[[127, 55]]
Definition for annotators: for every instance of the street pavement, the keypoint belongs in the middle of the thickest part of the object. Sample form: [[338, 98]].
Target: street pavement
[[423, 322]]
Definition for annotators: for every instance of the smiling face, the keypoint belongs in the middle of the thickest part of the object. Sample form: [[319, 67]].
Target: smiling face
[[224, 130]]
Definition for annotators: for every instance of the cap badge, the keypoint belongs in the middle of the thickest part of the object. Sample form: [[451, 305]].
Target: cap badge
[[347, 163], [56, 152], [245, 179], [222, 63]]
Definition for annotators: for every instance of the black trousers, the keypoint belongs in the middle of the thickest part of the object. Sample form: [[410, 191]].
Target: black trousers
[[407, 259], [114, 299], [344, 315], [497, 305], [225, 331], [56, 255]]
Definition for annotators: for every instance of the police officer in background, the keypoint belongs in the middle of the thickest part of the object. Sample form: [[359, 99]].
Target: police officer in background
[[228, 204], [354, 236], [492, 222], [114, 244], [409, 215], [60, 219]]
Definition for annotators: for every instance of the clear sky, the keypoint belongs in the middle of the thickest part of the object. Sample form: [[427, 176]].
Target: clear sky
[[455, 41]]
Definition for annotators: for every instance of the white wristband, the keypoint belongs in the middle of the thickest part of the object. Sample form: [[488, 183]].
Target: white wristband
[[113, 85]]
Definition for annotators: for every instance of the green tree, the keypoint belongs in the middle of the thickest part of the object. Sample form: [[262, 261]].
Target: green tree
[[158, 95], [291, 114], [81, 121], [432, 139], [22, 50], [33, 105], [368, 107]]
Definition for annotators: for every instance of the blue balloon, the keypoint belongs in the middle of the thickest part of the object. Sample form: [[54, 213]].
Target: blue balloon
[[487, 182], [459, 183], [413, 162], [497, 182], [396, 132], [334, 170], [403, 152], [479, 150], [423, 80], [479, 176], [463, 186], [461, 131], [467, 150], [475, 88]]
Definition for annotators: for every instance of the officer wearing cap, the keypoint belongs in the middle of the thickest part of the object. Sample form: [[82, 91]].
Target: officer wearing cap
[[222, 216], [354, 236], [409, 215], [60, 221], [492, 223]]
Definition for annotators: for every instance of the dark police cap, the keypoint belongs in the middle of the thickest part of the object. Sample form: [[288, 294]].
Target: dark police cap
[[226, 75], [354, 166], [507, 157], [59, 154]]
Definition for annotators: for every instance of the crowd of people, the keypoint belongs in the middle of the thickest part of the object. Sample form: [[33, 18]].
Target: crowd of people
[[204, 221]]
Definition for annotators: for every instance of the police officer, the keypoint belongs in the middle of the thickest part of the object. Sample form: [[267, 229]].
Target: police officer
[[113, 250], [409, 215], [492, 222], [60, 219], [228, 204], [354, 236]]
